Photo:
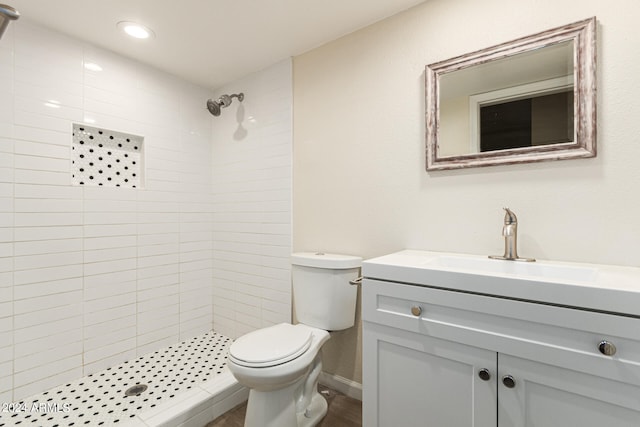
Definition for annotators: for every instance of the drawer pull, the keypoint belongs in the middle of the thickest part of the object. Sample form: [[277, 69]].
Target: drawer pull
[[508, 381], [484, 374], [416, 310], [607, 348]]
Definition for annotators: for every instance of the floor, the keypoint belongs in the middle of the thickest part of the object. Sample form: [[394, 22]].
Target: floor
[[343, 411]]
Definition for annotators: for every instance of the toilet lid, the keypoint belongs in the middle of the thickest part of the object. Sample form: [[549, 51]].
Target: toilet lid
[[270, 346]]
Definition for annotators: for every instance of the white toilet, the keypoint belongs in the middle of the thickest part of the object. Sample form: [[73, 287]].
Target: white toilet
[[280, 364]]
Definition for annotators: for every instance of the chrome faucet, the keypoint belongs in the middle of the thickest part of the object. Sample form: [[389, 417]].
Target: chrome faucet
[[510, 233]]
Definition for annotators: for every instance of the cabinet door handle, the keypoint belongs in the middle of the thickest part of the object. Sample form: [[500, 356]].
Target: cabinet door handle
[[607, 348], [508, 381], [484, 374], [416, 310]]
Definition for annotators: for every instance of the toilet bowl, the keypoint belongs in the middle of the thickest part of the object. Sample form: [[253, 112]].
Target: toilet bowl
[[281, 364]]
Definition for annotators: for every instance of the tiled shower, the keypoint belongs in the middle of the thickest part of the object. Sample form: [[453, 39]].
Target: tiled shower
[[94, 275]]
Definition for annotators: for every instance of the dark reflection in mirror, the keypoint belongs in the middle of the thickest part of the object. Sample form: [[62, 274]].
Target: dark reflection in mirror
[[539, 120]]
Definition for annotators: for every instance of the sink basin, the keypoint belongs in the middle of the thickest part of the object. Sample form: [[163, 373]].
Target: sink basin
[[540, 270]]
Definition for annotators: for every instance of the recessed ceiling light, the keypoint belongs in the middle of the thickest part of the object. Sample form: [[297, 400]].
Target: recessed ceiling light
[[135, 30]]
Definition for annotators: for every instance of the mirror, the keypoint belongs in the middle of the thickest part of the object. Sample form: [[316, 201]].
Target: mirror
[[528, 100]]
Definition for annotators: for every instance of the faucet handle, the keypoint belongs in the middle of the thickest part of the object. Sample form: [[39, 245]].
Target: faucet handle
[[509, 217]]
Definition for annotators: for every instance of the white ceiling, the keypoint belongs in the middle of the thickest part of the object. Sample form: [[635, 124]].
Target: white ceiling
[[210, 42]]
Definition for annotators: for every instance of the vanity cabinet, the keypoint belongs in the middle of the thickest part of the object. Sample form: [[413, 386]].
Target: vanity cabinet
[[443, 358]]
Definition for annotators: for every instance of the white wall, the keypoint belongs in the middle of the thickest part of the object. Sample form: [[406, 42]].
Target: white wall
[[252, 156], [359, 143], [92, 276], [360, 185]]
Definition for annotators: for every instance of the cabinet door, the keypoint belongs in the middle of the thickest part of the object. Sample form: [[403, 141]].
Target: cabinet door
[[413, 380], [549, 396]]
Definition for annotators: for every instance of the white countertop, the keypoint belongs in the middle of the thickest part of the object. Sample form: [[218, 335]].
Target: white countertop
[[591, 286]]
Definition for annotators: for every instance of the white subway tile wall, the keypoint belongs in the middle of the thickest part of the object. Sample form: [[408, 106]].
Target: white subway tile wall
[[93, 276], [252, 204], [6, 216]]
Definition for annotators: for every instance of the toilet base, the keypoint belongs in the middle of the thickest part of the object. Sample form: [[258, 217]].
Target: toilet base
[[314, 413], [278, 409]]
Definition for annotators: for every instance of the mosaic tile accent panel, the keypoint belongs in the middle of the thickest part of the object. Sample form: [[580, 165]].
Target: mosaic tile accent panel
[[102, 157], [99, 399]]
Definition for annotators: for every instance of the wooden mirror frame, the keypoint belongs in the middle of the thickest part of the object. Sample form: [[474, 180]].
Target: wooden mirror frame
[[583, 35]]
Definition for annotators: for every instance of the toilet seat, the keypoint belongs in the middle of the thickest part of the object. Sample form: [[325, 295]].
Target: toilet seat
[[271, 346]]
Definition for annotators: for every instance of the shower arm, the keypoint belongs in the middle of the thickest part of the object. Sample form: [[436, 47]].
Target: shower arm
[[9, 12], [223, 101]]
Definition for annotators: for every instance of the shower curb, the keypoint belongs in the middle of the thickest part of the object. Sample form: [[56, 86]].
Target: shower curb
[[197, 407]]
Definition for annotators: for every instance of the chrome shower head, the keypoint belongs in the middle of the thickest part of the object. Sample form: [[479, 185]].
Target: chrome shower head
[[223, 102], [7, 13], [213, 107]]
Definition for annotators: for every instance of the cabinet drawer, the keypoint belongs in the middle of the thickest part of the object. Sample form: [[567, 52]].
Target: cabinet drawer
[[560, 336]]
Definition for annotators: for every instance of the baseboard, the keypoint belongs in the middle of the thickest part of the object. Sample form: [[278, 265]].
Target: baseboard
[[341, 384]]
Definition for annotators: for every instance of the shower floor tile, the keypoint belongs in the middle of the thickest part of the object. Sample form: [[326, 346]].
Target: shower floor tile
[[99, 399]]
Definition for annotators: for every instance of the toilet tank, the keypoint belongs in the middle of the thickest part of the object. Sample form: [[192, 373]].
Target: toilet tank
[[322, 295]]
